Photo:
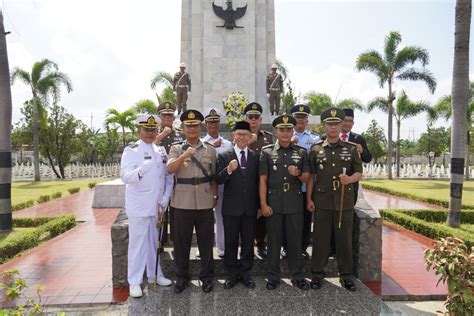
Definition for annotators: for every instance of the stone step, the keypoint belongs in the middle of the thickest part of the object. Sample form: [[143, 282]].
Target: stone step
[[259, 266]]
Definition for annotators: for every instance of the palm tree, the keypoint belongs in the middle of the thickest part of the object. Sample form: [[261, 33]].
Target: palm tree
[[282, 68], [396, 64], [125, 119], [404, 108], [161, 77], [460, 100], [443, 109], [145, 106], [45, 81], [318, 102], [5, 134]]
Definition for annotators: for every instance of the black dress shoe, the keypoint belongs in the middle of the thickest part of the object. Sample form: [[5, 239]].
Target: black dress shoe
[[284, 254], [305, 255], [262, 252], [348, 284], [316, 283], [272, 284], [301, 284], [207, 286], [249, 283], [229, 283], [180, 286]]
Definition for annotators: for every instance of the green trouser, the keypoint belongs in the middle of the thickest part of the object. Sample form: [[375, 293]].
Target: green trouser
[[293, 224], [325, 222]]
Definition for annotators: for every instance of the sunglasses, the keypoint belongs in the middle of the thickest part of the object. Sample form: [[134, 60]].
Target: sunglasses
[[253, 117]]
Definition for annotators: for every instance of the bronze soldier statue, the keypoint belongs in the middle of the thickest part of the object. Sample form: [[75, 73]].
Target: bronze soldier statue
[[182, 87], [274, 90]]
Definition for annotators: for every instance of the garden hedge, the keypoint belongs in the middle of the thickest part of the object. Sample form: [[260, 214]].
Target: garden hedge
[[431, 230], [22, 241]]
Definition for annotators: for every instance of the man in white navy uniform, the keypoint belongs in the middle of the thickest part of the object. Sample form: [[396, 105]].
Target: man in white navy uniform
[[147, 194], [212, 119]]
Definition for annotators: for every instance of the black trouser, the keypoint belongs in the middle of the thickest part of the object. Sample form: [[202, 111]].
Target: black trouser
[[293, 224], [184, 223], [239, 228], [325, 223], [260, 232], [306, 232], [355, 186]]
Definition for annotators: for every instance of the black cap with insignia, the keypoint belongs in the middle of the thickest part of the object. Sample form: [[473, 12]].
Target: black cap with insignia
[[300, 109], [253, 108], [349, 112], [284, 121], [332, 115], [191, 117], [166, 108]]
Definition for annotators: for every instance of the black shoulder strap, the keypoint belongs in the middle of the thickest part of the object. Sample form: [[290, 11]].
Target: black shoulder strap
[[197, 162]]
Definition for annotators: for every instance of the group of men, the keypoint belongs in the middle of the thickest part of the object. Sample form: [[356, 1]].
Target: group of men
[[257, 189], [274, 88]]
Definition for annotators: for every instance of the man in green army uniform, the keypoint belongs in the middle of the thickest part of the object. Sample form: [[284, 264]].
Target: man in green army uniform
[[274, 90], [167, 135], [182, 87], [329, 188], [283, 168], [253, 113]]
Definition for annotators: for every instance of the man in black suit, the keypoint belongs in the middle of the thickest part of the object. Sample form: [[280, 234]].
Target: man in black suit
[[355, 139], [237, 169]]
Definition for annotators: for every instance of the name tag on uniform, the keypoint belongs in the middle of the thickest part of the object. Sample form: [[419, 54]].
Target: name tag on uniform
[[147, 157]]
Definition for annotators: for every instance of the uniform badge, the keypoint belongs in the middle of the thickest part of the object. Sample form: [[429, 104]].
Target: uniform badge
[[321, 151]]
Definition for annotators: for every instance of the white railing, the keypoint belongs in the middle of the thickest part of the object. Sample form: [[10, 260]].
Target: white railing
[[73, 171]]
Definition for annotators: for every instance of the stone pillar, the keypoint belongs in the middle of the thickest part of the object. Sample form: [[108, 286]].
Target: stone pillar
[[221, 61], [119, 234]]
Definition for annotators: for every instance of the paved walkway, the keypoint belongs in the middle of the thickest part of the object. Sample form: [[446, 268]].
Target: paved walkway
[[404, 275], [76, 266]]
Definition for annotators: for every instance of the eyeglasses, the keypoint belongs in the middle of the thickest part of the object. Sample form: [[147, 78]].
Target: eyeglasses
[[242, 134], [253, 116]]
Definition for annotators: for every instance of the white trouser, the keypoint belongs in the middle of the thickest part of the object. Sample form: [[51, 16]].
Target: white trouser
[[219, 221], [142, 242]]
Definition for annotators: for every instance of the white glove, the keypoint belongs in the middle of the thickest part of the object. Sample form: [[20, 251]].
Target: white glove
[[189, 93], [268, 95], [145, 167], [281, 95]]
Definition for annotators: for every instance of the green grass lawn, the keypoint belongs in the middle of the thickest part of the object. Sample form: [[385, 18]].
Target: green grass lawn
[[16, 230], [23, 191], [431, 189]]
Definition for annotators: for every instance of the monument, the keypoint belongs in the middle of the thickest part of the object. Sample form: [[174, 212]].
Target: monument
[[228, 46]]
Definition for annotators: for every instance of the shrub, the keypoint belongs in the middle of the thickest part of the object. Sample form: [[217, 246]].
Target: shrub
[[428, 229], [30, 221], [92, 185], [56, 195], [23, 205], [12, 287], [453, 262], [437, 216], [43, 198], [73, 190], [25, 240]]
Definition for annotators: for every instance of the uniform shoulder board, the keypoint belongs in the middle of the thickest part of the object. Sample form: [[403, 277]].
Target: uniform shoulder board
[[267, 133], [352, 143], [177, 143], [133, 145], [319, 142], [268, 146], [317, 146]]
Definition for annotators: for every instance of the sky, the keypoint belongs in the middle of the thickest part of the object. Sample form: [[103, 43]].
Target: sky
[[110, 49]]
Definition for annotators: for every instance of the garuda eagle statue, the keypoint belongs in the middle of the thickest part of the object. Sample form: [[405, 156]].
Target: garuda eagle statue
[[229, 15]]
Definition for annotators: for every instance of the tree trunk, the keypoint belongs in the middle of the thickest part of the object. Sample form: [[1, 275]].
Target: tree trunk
[[123, 136], [468, 143], [51, 162], [35, 126], [398, 148], [5, 135], [390, 127], [460, 99]]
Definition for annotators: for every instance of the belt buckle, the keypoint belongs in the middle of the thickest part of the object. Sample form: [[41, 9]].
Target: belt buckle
[[336, 184], [195, 183], [286, 187]]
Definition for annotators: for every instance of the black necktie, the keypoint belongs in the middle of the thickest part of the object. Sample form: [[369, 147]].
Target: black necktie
[[243, 160]]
